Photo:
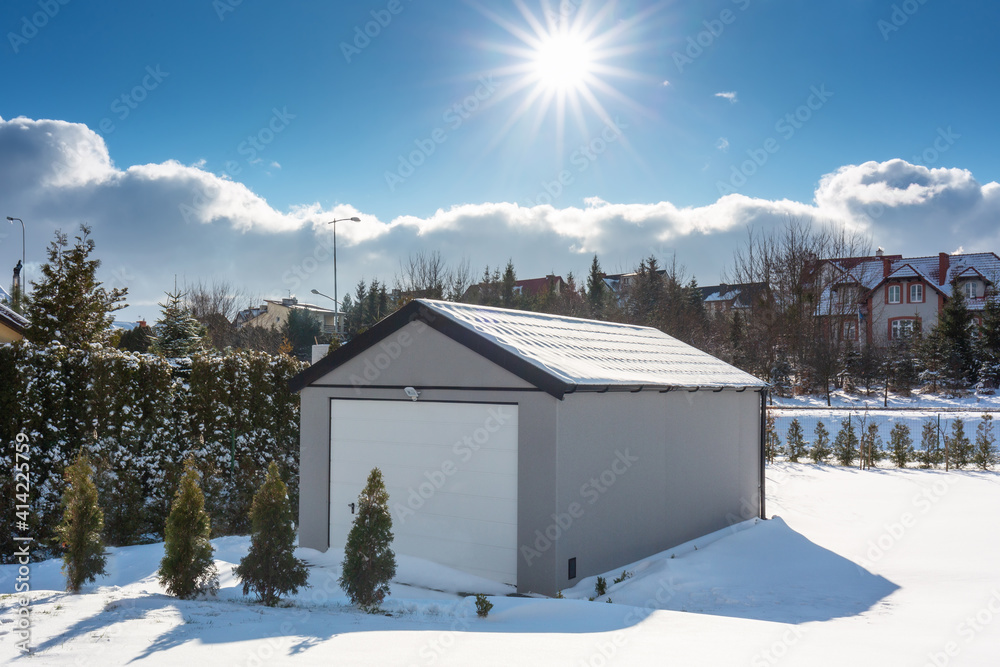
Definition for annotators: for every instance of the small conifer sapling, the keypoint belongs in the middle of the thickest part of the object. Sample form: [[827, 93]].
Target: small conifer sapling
[[900, 445], [187, 568], [369, 563], [81, 526], [270, 569]]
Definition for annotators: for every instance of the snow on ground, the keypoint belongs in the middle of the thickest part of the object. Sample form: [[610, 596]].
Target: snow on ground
[[974, 402], [881, 567]]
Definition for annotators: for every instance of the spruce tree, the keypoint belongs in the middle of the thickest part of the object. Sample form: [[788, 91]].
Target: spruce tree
[[369, 563], [81, 526], [985, 453], [596, 290], [900, 445], [796, 443], [959, 445], [987, 345], [507, 296], [845, 445], [302, 331], [270, 569], [69, 304], [930, 446], [187, 568], [953, 327], [772, 442], [177, 334], [871, 446], [821, 444]]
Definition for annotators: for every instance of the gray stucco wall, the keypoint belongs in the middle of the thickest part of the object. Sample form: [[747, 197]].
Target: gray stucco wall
[[647, 471], [426, 359]]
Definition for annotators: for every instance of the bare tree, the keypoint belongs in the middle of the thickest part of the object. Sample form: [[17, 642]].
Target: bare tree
[[423, 274], [803, 301], [216, 305], [426, 275]]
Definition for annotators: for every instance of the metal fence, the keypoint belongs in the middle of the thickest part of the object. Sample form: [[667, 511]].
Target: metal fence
[[884, 420]]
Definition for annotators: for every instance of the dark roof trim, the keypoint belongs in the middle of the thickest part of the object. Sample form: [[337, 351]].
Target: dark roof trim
[[417, 312], [421, 387]]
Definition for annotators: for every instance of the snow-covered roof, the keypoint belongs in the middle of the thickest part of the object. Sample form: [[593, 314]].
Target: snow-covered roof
[[556, 353], [870, 272], [12, 319]]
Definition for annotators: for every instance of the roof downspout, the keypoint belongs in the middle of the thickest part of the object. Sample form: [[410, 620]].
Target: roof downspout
[[763, 461]]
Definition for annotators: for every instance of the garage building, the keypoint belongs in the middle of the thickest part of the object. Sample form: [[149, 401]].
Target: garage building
[[528, 448]]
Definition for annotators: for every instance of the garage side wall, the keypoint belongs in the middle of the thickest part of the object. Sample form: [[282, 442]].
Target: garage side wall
[[641, 472]]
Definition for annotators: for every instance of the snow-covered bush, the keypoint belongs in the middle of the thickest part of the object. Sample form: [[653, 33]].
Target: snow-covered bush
[[138, 416]]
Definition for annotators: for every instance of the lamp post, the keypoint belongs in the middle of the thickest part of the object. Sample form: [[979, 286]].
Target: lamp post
[[336, 310], [335, 295], [24, 268]]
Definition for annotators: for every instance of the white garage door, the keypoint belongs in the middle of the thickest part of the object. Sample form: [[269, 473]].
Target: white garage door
[[451, 473]]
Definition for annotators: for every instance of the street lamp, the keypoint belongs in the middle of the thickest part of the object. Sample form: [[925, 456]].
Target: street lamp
[[335, 295], [24, 269], [316, 291]]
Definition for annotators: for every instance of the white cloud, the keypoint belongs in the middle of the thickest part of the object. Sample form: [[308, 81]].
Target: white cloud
[[730, 95], [156, 220], [722, 144]]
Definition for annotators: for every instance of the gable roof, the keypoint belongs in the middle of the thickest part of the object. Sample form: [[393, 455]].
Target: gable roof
[[557, 354]]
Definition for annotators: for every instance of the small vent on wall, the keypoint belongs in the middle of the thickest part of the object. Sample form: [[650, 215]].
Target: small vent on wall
[[572, 568]]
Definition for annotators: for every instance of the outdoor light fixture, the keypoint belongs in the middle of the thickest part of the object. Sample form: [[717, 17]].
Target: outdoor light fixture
[[336, 300], [316, 291], [412, 393]]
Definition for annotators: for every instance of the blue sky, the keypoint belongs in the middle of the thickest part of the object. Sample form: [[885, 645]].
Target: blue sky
[[211, 140]]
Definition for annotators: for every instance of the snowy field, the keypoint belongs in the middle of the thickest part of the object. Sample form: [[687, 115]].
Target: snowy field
[[883, 567]]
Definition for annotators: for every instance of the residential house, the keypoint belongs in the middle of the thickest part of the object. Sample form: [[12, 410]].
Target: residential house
[[274, 314], [885, 297], [726, 298], [531, 287], [12, 325]]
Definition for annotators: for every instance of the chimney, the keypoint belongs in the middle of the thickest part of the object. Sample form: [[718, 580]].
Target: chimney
[[943, 263], [879, 252], [886, 266], [142, 324]]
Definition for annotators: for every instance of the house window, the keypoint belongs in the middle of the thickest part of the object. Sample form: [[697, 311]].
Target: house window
[[970, 289], [901, 328], [916, 293], [850, 330], [894, 294]]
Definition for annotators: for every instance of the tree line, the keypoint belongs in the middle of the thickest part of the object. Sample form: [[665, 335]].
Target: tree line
[[787, 330], [67, 388], [865, 446]]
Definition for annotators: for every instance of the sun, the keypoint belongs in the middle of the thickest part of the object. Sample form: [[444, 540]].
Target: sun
[[563, 61], [561, 65]]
